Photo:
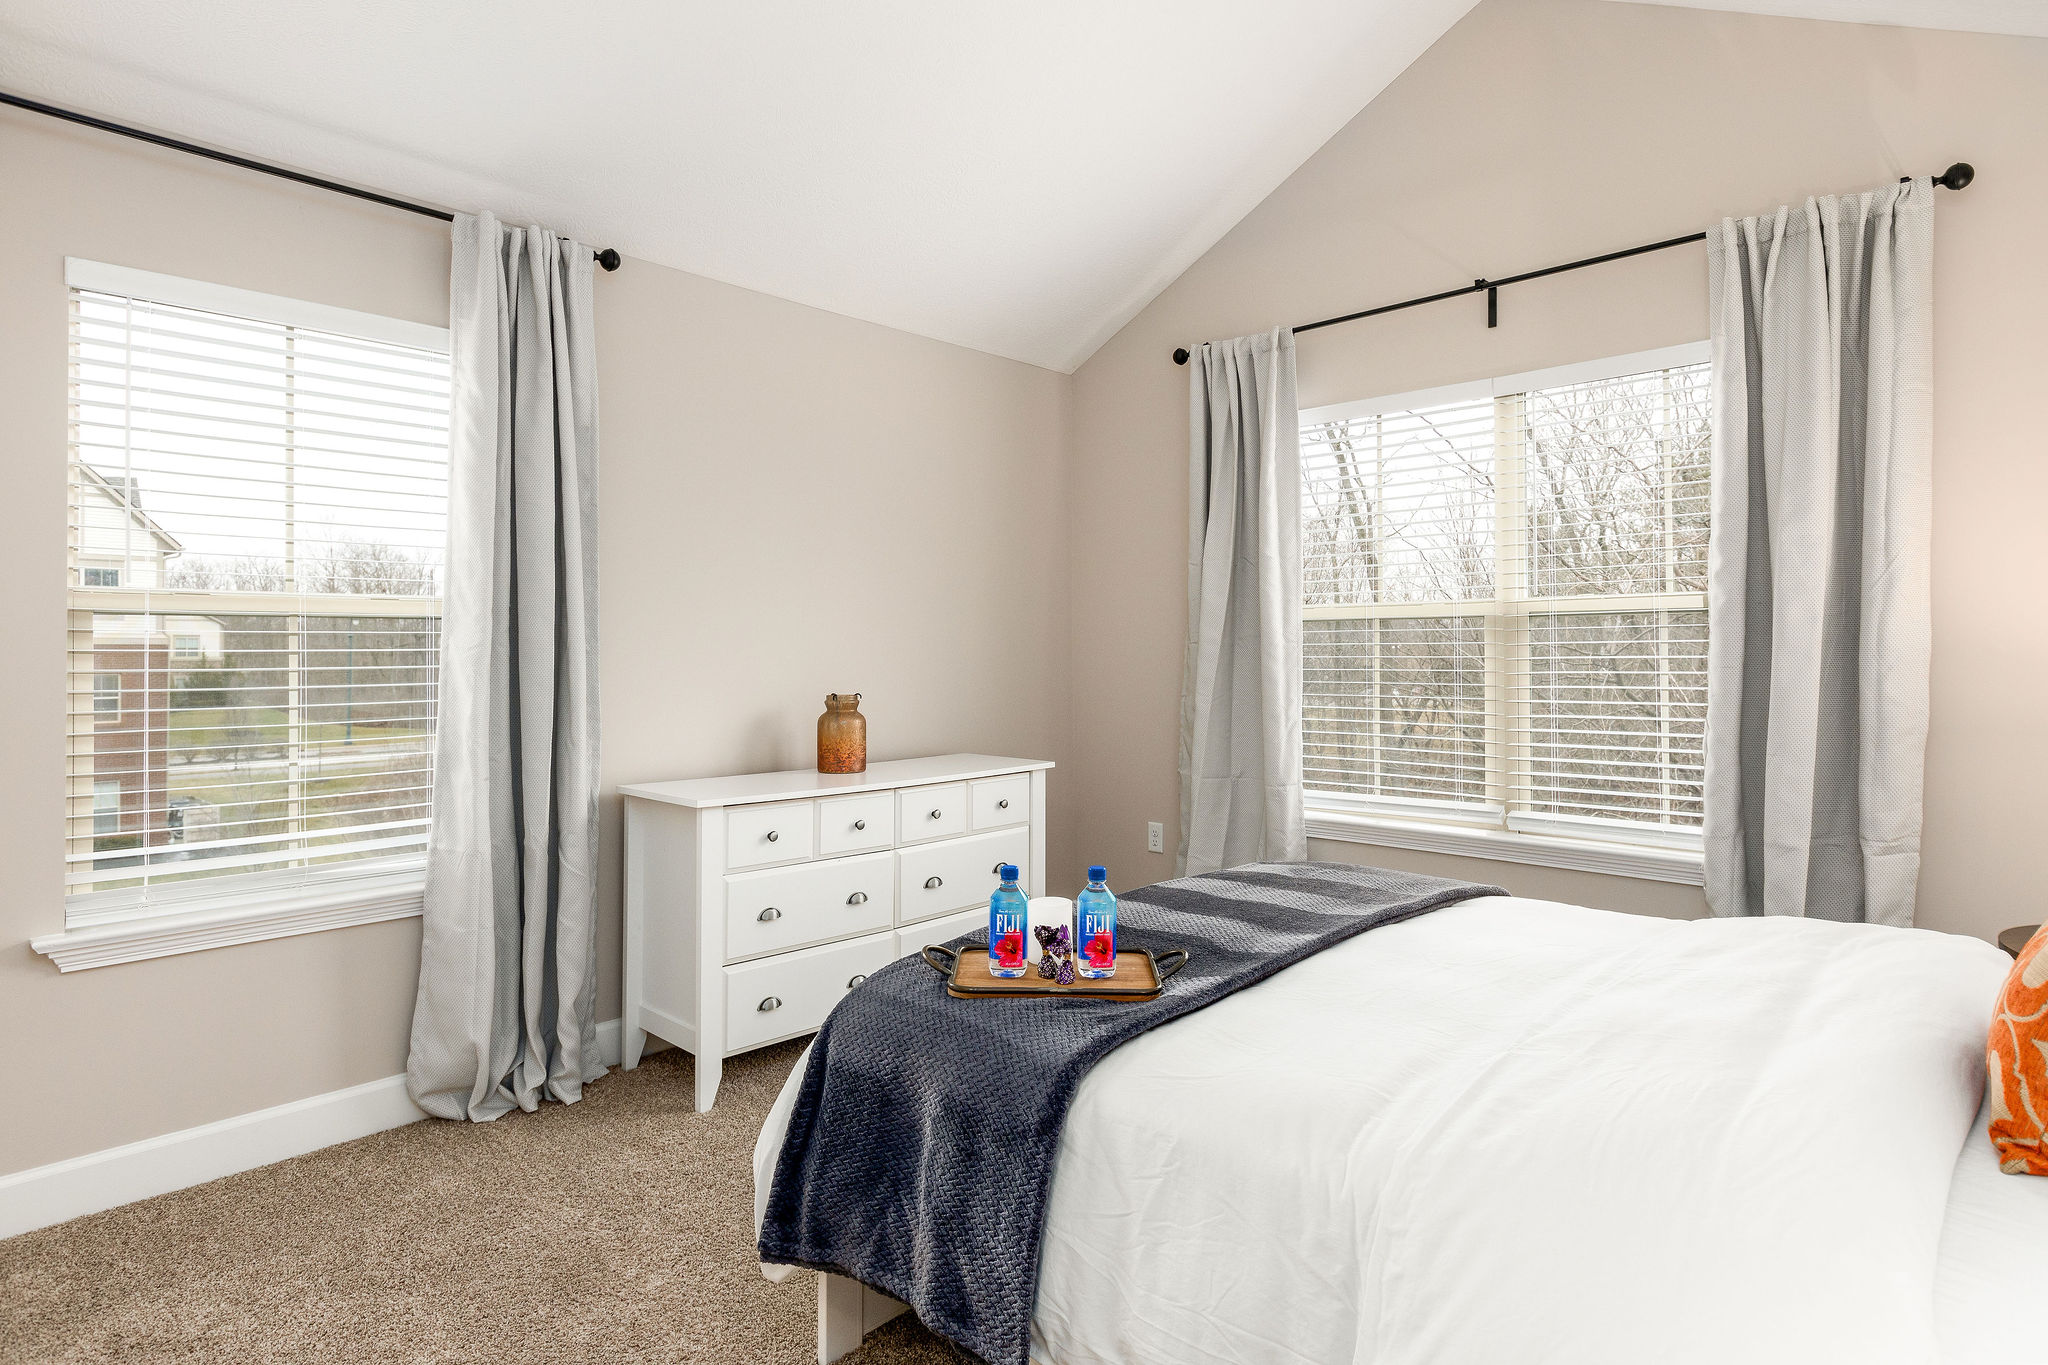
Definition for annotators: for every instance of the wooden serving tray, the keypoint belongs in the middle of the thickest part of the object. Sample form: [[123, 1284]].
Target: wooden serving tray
[[1139, 976]]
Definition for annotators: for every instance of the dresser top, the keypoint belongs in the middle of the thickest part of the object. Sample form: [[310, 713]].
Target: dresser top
[[801, 782]]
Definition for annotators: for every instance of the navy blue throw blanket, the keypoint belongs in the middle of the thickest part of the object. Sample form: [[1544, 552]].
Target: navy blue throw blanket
[[920, 1150]]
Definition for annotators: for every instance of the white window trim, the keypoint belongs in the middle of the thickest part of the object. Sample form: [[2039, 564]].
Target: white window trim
[[217, 916], [247, 303], [1647, 862], [220, 919], [1585, 371], [1479, 831]]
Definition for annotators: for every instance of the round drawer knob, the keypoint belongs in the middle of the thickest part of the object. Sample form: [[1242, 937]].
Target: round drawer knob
[[857, 898], [860, 824], [933, 883], [770, 915], [1003, 804], [771, 1003], [935, 815], [855, 981], [773, 836]]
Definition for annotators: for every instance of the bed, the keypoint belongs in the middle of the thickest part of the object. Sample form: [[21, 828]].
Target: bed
[[1515, 1130]]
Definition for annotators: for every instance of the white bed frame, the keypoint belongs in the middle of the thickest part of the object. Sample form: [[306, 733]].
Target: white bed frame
[[847, 1311]]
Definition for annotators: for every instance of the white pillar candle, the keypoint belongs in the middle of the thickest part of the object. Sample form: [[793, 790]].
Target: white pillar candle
[[1048, 910]]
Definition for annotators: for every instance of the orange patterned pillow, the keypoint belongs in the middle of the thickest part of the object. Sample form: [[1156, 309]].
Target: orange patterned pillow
[[2018, 1057]]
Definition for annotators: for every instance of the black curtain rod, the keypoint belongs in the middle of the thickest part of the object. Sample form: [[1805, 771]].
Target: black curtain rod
[[1954, 178], [608, 258]]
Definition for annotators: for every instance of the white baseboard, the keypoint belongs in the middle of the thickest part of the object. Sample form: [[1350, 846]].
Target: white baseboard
[[71, 1189]]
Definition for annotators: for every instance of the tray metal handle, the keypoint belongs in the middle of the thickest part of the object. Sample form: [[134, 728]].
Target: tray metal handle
[[939, 959], [1170, 962]]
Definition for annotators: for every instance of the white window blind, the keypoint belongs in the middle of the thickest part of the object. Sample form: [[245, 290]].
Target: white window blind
[[258, 525], [1504, 615]]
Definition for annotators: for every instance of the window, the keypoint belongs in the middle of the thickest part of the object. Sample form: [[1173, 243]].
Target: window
[[106, 806], [259, 496], [1504, 602]]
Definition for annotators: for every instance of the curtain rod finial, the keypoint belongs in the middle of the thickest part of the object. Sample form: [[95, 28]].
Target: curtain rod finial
[[1957, 176], [608, 258], [1180, 357]]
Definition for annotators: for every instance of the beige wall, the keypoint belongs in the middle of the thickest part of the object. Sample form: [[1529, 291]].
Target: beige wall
[[1539, 131], [792, 503]]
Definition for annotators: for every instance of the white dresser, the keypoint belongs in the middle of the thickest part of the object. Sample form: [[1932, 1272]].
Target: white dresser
[[754, 903]]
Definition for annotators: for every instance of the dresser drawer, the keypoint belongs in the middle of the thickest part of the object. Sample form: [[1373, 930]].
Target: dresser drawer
[[910, 941], [790, 907], [997, 801], [931, 812], [855, 824], [956, 875], [780, 832], [779, 997]]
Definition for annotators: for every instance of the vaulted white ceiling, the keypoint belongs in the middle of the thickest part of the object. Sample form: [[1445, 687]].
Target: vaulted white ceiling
[[1018, 176]]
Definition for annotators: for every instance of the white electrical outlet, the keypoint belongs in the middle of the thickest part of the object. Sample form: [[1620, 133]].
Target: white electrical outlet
[[1155, 837]]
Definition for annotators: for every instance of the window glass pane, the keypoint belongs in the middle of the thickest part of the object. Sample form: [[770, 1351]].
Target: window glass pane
[[1567, 715], [106, 807], [312, 743], [222, 453], [1615, 479], [1395, 708], [1399, 507], [275, 479], [1616, 706]]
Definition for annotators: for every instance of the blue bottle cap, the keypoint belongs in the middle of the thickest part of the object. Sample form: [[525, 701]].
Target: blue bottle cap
[[1098, 874], [1008, 872]]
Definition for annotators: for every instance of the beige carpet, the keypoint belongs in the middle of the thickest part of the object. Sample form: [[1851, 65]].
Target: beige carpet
[[618, 1229]]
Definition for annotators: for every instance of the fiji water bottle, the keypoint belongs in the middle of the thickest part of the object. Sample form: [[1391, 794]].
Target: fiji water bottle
[[1095, 925], [1008, 922]]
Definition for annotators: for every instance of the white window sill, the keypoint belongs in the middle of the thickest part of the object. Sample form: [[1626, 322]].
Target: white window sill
[[232, 919], [1579, 855]]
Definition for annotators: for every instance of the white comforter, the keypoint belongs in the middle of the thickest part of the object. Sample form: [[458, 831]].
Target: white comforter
[[1517, 1131]]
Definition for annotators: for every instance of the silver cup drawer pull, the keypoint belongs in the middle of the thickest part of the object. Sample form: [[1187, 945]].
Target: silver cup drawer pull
[[934, 883], [770, 1003], [770, 915], [856, 980], [857, 898], [860, 824], [773, 836]]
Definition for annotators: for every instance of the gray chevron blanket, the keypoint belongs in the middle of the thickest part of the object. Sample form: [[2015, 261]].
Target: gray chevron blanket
[[920, 1151]]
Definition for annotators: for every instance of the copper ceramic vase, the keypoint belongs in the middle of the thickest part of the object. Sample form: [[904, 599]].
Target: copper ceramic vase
[[842, 735]]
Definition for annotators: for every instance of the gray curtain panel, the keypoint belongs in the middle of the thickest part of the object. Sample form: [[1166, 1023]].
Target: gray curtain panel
[[1818, 569], [506, 1008], [1240, 715]]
